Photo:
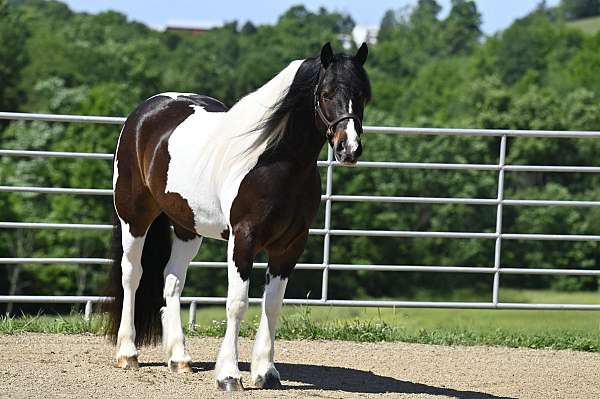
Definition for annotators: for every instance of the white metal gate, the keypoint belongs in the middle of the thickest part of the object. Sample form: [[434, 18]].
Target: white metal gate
[[327, 232]]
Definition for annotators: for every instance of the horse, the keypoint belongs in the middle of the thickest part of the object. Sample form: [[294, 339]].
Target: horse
[[187, 167]]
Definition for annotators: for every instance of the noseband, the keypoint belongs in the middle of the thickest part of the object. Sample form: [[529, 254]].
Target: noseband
[[330, 125]]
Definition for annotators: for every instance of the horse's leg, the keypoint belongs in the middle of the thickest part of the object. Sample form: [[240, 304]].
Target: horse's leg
[[238, 271], [131, 267], [184, 248], [263, 371]]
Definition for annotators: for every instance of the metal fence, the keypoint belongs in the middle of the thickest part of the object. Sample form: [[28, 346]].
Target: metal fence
[[327, 232]]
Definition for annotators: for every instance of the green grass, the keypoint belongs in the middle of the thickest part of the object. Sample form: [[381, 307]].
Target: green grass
[[575, 330], [587, 25]]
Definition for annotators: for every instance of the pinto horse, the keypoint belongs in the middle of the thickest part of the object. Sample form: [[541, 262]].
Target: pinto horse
[[187, 167]]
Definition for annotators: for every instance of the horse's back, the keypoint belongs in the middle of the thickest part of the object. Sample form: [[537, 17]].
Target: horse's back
[[154, 120], [209, 104]]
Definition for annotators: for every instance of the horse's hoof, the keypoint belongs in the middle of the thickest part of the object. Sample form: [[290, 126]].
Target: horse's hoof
[[230, 384], [268, 381], [180, 367], [128, 363]]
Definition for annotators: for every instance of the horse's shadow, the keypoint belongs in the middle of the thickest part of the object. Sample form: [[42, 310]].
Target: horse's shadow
[[350, 380]]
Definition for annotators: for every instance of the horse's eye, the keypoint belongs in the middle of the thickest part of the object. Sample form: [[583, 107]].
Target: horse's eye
[[327, 95]]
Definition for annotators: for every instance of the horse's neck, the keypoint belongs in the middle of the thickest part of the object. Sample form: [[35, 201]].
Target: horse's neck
[[301, 144]]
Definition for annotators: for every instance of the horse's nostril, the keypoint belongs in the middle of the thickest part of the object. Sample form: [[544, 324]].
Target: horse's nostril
[[339, 147]]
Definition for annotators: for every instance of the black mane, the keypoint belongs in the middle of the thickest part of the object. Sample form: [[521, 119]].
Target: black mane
[[299, 98]]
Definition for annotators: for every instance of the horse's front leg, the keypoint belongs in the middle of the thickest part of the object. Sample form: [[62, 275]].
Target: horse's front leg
[[184, 248], [264, 373], [281, 263], [240, 255]]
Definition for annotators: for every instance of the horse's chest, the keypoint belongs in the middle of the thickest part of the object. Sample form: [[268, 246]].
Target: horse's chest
[[278, 204]]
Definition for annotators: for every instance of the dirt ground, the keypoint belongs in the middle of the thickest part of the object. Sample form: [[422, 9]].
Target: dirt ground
[[63, 366]]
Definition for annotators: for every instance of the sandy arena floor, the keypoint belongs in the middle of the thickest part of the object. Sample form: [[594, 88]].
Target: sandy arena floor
[[63, 366]]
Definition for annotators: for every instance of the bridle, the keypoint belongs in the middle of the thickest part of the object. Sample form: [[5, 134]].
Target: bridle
[[330, 125]]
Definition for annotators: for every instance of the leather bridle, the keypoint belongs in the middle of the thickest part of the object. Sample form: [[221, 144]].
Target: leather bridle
[[330, 125]]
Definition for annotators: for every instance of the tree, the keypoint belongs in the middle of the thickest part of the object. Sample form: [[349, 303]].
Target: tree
[[577, 9], [13, 35], [462, 27], [386, 26]]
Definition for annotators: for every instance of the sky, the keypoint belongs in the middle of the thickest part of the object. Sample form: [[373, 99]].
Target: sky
[[496, 14]]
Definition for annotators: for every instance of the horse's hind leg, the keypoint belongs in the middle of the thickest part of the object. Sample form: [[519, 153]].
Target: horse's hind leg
[[131, 269], [136, 210], [184, 248]]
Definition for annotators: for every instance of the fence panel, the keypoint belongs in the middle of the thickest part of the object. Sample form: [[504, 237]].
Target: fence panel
[[327, 232]]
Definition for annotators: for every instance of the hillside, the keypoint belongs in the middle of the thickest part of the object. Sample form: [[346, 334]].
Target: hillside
[[587, 25]]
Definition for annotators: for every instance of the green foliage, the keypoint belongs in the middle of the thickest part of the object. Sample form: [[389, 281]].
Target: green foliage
[[462, 27], [576, 9], [425, 71], [13, 36]]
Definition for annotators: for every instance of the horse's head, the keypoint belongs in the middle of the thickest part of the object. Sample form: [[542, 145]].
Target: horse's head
[[341, 95]]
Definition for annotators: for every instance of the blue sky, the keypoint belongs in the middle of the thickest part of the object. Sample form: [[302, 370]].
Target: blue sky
[[497, 14]]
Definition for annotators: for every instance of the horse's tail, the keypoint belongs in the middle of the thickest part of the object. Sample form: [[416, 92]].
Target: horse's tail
[[149, 295]]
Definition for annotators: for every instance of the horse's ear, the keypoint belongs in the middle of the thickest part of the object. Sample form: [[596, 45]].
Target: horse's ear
[[326, 55], [362, 53]]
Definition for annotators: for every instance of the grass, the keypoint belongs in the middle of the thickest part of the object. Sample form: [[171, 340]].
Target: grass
[[587, 25], [575, 330]]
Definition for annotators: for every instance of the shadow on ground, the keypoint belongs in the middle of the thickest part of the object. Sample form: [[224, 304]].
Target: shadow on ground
[[313, 377]]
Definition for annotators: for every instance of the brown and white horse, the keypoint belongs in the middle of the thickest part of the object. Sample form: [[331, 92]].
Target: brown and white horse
[[186, 167]]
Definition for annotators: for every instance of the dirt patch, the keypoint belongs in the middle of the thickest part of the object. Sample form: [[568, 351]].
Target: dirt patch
[[80, 366]]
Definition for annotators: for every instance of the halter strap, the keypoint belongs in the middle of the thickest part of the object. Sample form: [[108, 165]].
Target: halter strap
[[330, 125]]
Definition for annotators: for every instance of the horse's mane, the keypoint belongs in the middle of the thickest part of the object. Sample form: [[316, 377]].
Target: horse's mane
[[272, 128]]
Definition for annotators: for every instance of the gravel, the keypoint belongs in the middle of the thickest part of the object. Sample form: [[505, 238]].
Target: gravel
[[81, 366]]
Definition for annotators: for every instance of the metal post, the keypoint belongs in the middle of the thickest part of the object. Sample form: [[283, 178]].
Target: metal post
[[327, 237], [192, 317], [87, 316], [498, 247]]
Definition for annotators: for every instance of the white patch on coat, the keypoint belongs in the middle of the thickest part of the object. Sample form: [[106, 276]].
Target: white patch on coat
[[115, 168], [351, 134], [172, 94], [210, 157]]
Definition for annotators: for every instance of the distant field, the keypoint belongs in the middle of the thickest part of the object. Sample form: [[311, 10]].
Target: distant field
[[587, 25], [576, 330]]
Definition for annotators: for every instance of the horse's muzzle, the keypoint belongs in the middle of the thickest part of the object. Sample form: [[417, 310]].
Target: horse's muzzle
[[346, 155]]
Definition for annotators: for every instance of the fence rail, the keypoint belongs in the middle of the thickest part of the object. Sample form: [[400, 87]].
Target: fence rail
[[495, 269]]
